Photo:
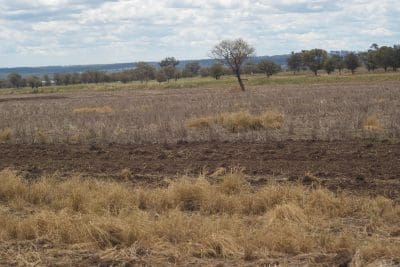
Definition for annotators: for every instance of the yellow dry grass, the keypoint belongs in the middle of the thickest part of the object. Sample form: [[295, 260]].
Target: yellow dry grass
[[239, 121], [373, 123], [6, 134], [272, 119], [100, 110], [200, 123], [192, 219]]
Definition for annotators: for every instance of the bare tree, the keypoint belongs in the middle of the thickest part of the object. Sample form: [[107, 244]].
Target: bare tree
[[233, 53]]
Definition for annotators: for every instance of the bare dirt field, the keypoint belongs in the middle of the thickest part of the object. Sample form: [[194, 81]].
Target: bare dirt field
[[362, 166], [295, 175]]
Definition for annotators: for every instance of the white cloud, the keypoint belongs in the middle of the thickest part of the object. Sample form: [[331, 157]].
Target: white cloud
[[43, 32]]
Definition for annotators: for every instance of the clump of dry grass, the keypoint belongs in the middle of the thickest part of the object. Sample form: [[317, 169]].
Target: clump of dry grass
[[373, 123], [233, 183], [192, 218], [100, 110], [239, 121], [6, 134], [200, 123], [272, 119], [126, 173], [41, 136]]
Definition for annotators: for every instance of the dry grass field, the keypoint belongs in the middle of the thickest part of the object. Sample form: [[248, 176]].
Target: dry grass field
[[323, 112], [191, 221], [288, 174]]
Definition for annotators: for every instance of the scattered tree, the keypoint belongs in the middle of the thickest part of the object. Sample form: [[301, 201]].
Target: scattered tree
[[295, 62], [169, 66], [160, 76], [352, 62], [204, 72], [144, 72], [169, 61], [169, 71], [396, 57], [34, 81], [330, 65], [67, 79], [15, 79], [268, 67], [250, 68], [339, 62], [58, 79], [369, 60], [216, 71], [191, 69], [233, 53], [386, 57], [314, 59]]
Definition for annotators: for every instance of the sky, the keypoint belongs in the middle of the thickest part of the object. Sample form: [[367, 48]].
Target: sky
[[72, 32]]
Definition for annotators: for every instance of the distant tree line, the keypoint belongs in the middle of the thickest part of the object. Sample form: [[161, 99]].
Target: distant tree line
[[314, 60], [143, 72], [384, 57]]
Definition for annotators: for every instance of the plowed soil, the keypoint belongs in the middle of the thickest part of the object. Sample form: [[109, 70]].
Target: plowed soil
[[31, 98], [359, 166]]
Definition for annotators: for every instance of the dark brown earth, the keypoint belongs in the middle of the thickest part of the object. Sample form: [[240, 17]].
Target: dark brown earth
[[31, 98], [360, 166]]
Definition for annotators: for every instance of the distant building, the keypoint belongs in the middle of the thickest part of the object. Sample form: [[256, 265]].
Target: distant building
[[52, 82]]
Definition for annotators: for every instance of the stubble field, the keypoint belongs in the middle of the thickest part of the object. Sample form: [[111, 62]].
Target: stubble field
[[304, 174]]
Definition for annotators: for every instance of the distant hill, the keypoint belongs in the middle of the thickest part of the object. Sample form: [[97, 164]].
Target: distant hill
[[65, 69], [50, 70], [40, 71]]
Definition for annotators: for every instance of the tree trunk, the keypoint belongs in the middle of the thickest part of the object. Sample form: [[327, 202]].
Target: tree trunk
[[240, 82]]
